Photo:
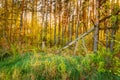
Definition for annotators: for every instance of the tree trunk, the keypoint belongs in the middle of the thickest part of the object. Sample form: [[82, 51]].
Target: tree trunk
[[96, 31], [79, 37], [21, 21], [114, 28], [55, 30]]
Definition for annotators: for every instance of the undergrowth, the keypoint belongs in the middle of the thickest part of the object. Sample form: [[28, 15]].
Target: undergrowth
[[42, 66]]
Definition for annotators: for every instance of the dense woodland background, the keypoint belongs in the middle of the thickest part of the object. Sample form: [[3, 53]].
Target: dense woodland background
[[49, 23], [64, 27]]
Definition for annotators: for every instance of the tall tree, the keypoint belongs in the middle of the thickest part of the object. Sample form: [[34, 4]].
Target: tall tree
[[96, 31], [21, 20], [55, 21]]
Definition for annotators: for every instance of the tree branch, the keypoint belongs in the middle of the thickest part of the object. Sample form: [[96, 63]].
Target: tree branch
[[103, 19], [83, 35], [86, 33]]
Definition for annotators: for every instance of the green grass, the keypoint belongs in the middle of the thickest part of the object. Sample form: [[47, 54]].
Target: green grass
[[41, 66]]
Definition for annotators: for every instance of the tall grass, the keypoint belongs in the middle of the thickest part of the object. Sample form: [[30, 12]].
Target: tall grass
[[41, 66]]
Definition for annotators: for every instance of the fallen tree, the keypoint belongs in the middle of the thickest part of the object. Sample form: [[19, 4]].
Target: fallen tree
[[80, 37], [86, 33]]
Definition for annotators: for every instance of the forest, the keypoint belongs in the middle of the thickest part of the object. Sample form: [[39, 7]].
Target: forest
[[59, 39]]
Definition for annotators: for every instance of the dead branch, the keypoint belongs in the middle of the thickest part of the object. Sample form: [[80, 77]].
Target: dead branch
[[86, 33], [81, 36]]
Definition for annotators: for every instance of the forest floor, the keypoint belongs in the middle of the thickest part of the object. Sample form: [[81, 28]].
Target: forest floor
[[43, 66]]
